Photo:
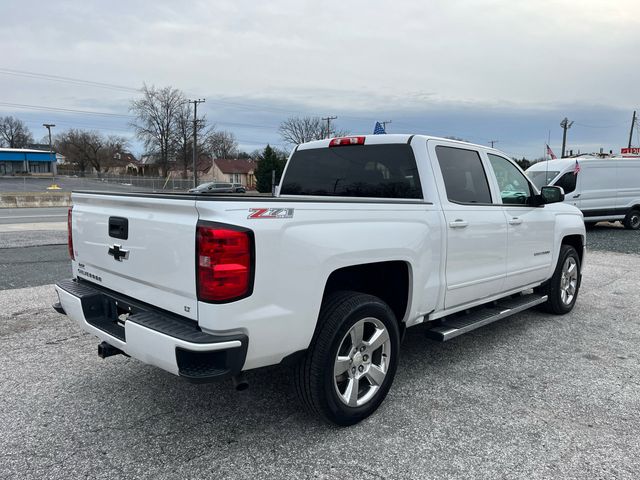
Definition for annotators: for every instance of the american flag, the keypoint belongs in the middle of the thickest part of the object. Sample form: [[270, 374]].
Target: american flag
[[378, 129], [550, 153], [576, 169]]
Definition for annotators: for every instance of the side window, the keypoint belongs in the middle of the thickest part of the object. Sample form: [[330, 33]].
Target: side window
[[464, 176], [514, 187], [567, 182]]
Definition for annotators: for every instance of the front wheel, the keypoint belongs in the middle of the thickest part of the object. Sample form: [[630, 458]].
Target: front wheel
[[350, 365], [632, 220], [562, 288]]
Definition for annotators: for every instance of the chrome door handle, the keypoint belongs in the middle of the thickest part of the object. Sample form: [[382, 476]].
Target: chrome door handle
[[515, 221], [458, 223]]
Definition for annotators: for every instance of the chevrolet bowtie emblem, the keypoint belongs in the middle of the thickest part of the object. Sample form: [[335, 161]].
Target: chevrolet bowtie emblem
[[117, 252]]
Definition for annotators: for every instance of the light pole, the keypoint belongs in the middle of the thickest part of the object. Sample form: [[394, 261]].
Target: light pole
[[54, 166]]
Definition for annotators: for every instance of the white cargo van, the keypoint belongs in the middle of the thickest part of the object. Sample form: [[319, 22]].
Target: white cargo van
[[602, 188]]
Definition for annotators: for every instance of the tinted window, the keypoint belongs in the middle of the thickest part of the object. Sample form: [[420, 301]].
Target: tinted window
[[463, 174], [567, 182], [379, 171], [514, 187]]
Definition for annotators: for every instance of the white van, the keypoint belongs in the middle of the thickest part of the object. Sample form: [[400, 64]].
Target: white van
[[602, 188]]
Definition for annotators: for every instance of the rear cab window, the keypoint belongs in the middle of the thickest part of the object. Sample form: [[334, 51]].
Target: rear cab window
[[366, 171], [464, 177]]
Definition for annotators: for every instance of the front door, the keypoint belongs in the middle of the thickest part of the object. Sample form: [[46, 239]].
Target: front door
[[476, 247], [530, 229]]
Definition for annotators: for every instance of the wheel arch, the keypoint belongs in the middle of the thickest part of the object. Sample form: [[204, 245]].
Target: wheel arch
[[577, 242], [391, 281]]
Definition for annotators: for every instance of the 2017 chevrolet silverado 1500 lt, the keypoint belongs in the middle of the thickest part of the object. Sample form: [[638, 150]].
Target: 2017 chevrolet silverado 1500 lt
[[366, 236]]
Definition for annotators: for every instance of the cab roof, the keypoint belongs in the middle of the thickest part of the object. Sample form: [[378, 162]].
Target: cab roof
[[389, 138]]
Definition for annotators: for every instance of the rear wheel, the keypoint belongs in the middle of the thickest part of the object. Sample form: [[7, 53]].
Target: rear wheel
[[562, 288], [350, 365], [632, 220]]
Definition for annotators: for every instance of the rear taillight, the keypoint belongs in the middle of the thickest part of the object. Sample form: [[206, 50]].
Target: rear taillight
[[344, 141], [70, 233], [224, 263]]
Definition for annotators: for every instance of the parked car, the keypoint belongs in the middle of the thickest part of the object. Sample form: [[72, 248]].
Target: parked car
[[602, 188], [214, 187], [367, 236], [239, 188]]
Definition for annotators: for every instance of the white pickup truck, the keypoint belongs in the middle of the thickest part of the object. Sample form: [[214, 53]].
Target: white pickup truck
[[366, 236]]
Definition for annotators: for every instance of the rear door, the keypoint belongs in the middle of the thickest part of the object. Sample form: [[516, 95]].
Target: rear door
[[530, 229], [476, 253], [140, 246]]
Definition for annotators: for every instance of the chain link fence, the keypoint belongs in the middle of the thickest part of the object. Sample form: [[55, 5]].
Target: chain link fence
[[103, 182]]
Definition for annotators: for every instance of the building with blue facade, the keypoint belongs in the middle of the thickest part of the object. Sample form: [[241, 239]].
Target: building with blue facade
[[15, 161]]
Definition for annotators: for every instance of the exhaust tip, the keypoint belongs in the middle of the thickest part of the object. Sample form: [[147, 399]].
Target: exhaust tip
[[240, 382]]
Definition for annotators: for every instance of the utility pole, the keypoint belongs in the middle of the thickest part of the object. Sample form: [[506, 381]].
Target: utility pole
[[493, 142], [566, 125], [633, 124], [384, 125], [328, 119], [195, 139], [54, 165]]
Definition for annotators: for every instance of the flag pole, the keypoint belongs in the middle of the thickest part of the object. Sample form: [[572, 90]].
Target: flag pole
[[546, 172]]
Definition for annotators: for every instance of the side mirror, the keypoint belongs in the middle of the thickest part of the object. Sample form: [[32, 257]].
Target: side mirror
[[552, 194]]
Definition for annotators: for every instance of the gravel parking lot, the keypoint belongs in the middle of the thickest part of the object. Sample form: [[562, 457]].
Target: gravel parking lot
[[534, 396]]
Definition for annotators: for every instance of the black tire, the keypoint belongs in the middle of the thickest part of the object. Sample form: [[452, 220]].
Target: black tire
[[590, 225], [632, 220], [554, 287], [314, 377]]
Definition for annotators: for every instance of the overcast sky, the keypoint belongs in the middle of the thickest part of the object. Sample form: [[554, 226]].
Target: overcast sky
[[504, 70]]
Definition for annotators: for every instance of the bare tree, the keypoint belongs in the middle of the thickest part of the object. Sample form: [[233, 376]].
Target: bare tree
[[155, 123], [71, 144], [183, 136], [14, 133], [115, 147], [89, 149], [296, 130], [222, 144]]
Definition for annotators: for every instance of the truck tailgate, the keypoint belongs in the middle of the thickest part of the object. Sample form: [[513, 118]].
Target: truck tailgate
[[153, 262]]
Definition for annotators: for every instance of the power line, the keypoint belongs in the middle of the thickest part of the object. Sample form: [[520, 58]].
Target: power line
[[71, 80], [598, 126], [116, 115], [63, 110]]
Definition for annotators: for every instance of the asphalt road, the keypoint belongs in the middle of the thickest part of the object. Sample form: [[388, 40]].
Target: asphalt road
[[612, 237], [533, 396], [33, 215]]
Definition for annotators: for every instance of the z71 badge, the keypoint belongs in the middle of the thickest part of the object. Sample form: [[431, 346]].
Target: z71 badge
[[270, 213]]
